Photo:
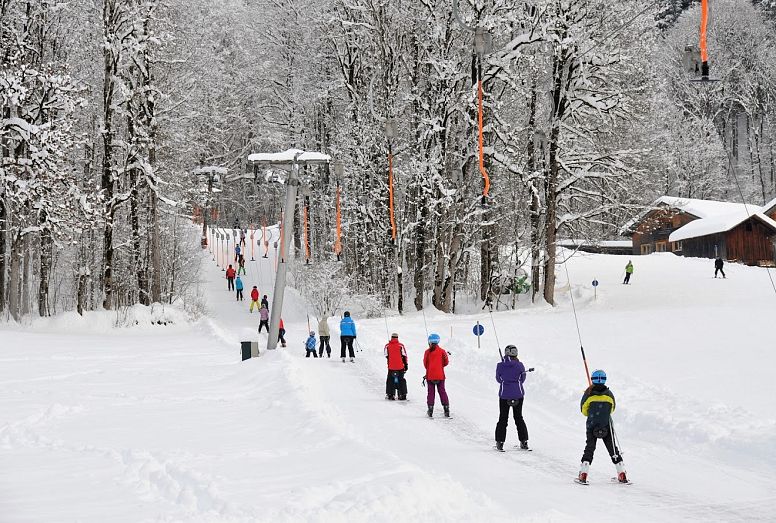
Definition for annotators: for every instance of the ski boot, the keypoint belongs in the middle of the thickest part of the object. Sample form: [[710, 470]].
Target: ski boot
[[500, 446], [524, 445], [389, 397], [352, 360], [447, 410], [402, 397], [583, 472], [343, 360], [430, 411], [621, 476]]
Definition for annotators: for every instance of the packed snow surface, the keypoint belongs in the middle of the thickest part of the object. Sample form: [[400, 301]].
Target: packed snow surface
[[165, 423]]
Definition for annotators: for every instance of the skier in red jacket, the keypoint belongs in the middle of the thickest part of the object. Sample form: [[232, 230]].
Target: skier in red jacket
[[396, 354], [254, 298], [230, 274], [435, 360]]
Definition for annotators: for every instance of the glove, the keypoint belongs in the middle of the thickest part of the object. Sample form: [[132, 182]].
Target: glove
[[406, 367]]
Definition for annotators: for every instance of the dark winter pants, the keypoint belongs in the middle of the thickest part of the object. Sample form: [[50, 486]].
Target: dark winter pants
[[440, 386], [347, 342], [230, 283], [503, 420], [239, 295], [718, 269], [325, 342], [608, 441], [627, 278], [311, 352], [281, 334], [396, 382], [264, 323]]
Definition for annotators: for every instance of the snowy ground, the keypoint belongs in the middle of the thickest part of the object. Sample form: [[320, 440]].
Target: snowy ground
[[164, 423]]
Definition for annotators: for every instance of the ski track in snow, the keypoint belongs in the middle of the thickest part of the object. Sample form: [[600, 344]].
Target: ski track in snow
[[170, 426]]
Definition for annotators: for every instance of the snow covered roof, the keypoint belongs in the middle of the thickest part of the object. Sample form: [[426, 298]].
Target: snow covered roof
[[693, 206], [287, 157], [770, 206], [210, 169], [718, 224]]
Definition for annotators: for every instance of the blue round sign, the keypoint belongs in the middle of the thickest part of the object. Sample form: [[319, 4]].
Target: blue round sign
[[478, 330], [595, 283]]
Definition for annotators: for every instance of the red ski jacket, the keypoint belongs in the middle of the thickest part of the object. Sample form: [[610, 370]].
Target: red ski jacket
[[435, 360], [281, 324], [229, 273], [396, 355], [255, 294]]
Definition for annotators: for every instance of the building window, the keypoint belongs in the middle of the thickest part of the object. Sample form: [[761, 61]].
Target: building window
[[646, 248], [676, 246], [660, 246]]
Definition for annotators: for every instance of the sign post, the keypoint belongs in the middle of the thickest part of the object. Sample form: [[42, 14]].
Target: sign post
[[595, 287], [478, 330]]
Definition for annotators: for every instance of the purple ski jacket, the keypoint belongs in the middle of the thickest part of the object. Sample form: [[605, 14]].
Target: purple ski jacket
[[511, 375]]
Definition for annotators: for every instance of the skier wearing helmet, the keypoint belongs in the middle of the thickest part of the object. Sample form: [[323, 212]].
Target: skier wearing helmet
[[435, 360], [510, 373], [309, 345], [598, 404]]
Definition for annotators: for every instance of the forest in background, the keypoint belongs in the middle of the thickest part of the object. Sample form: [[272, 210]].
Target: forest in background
[[108, 107]]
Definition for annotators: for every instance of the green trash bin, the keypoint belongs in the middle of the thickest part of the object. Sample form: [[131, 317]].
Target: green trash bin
[[245, 346]]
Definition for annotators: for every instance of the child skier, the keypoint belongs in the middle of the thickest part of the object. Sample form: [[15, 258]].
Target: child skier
[[236, 253], [510, 373], [238, 285], [435, 360], [347, 336], [309, 345], [281, 333], [241, 266], [598, 404], [628, 272], [230, 278], [254, 298], [324, 335], [265, 302], [263, 318], [396, 355]]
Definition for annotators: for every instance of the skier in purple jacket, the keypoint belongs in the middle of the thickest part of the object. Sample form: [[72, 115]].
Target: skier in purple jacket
[[510, 373]]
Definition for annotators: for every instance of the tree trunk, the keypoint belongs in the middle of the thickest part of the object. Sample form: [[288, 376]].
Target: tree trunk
[[110, 61], [14, 294], [550, 226], [3, 239], [420, 253], [46, 243], [26, 276]]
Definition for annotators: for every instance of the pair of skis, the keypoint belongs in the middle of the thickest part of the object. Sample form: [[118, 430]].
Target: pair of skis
[[613, 480]]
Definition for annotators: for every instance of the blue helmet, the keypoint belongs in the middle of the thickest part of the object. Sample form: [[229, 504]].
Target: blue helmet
[[598, 377], [433, 338]]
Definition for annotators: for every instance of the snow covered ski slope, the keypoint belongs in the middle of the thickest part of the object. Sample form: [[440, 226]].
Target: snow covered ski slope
[[164, 423]]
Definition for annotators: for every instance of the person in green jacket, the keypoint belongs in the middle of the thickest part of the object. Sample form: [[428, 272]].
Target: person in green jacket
[[628, 272]]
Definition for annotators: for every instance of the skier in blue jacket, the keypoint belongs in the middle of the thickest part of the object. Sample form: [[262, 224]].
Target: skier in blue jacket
[[347, 336], [238, 286], [310, 344], [510, 373]]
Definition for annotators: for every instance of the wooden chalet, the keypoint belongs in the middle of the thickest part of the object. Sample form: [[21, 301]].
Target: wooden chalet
[[706, 229]]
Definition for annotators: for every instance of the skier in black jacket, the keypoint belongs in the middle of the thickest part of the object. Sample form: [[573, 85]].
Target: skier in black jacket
[[598, 404], [718, 264]]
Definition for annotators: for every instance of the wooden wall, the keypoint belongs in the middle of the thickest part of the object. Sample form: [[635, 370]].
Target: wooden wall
[[751, 243]]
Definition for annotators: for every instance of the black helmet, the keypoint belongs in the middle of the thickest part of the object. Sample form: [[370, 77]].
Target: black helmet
[[510, 350], [347, 314]]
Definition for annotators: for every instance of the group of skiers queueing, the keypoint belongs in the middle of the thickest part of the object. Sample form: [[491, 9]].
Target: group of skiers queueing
[[347, 338], [234, 283]]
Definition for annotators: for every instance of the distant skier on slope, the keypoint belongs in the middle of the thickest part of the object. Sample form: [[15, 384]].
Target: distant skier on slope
[[435, 360], [230, 278], [263, 318], [309, 345], [628, 272], [254, 298], [347, 336], [598, 404], [265, 302], [238, 285], [324, 335], [718, 264], [237, 253], [242, 237], [396, 355], [510, 373]]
